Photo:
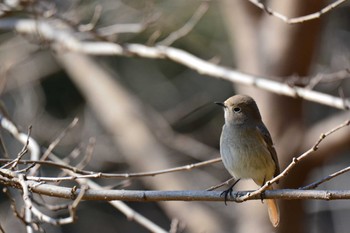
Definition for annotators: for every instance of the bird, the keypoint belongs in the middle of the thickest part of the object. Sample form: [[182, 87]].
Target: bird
[[246, 147]]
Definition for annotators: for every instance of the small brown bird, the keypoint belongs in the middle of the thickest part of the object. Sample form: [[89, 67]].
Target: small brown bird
[[246, 147]]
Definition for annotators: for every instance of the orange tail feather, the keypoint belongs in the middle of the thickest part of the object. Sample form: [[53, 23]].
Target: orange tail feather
[[274, 212]]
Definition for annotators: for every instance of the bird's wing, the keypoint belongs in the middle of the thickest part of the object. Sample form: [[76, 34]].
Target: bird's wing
[[267, 138]]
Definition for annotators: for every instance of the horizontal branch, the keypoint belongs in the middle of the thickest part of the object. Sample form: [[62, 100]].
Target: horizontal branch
[[181, 195], [65, 40]]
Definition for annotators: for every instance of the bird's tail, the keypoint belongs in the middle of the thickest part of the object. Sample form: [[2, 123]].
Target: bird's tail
[[273, 210]]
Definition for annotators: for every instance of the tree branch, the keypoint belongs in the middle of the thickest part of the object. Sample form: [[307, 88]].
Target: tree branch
[[181, 195], [300, 19], [325, 179], [64, 40]]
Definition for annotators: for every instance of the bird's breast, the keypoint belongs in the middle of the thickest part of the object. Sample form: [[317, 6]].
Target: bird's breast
[[245, 154]]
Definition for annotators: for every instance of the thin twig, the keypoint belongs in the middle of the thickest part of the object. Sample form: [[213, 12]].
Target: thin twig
[[59, 138], [124, 175], [73, 207], [13, 206], [227, 182], [32, 146], [300, 19], [24, 150], [54, 207], [27, 209], [54, 144], [47, 163], [310, 82], [127, 28], [95, 18], [325, 179], [92, 174], [202, 9], [88, 154], [327, 78]]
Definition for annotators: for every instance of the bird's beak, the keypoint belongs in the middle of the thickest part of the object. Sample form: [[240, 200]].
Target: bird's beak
[[220, 104]]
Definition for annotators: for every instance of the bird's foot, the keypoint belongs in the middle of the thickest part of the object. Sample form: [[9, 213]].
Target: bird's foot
[[228, 191], [262, 196]]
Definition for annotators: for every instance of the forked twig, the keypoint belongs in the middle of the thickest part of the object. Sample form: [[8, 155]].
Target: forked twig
[[31, 209]]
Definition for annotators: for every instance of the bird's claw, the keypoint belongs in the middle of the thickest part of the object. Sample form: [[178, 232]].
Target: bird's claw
[[229, 191], [226, 193], [262, 196]]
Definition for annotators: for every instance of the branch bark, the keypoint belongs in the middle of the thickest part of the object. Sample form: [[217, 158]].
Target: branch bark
[[181, 195]]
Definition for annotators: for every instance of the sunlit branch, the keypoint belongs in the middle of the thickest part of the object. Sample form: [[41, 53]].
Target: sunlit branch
[[300, 19], [63, 40]]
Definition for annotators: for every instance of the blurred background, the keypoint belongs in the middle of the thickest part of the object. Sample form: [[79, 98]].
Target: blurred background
[[151, 114]]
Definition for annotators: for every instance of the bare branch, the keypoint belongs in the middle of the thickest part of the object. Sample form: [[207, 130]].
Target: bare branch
[[89, 174], [31, 209], [325, 179], [62, 39], [121, 206], [128, 27], [6, 176], [145, 196], [311, 81], [326, 78], [227, 182], [300, 19], [73, 207], [181, 195], [91, 25]]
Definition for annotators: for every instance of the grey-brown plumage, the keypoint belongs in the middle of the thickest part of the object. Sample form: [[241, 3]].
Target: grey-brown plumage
[[246, 146]]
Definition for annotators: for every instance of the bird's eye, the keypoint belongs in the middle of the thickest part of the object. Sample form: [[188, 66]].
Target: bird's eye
[[237, 109]]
